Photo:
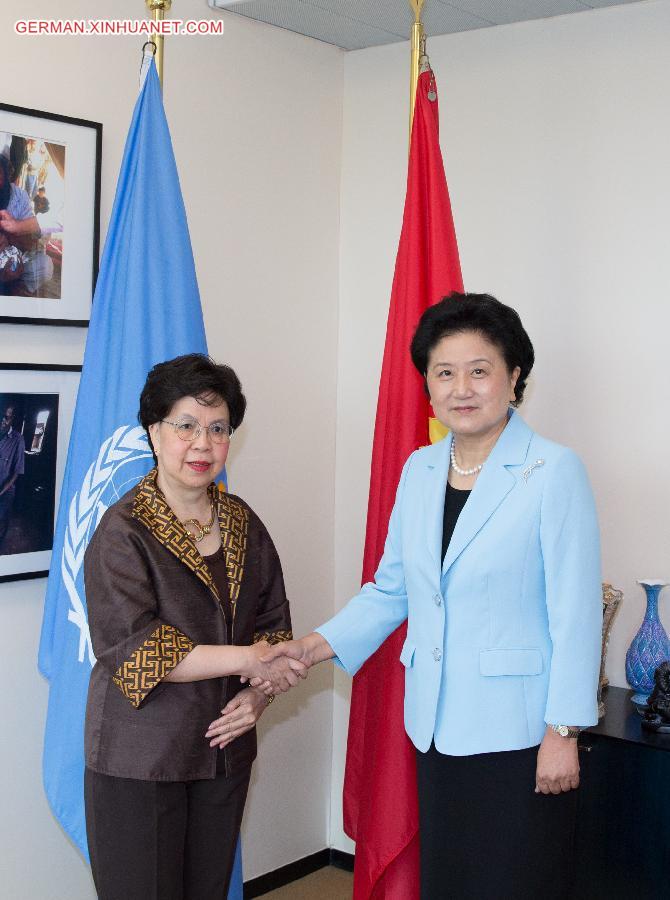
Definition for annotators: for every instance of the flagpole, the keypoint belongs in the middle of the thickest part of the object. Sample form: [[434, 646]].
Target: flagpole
[[418, 39], [158, 8]]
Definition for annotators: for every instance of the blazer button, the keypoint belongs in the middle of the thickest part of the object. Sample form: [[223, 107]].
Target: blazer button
[[437, 654], [438, 600]]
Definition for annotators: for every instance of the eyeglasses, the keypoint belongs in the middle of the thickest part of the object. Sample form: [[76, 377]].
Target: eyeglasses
[[188, 429]]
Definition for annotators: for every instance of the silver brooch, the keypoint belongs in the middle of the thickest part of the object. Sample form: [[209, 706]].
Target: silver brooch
[[528, 471]]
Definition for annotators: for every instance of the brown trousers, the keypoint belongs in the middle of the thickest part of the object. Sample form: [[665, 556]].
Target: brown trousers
[[172, 840]]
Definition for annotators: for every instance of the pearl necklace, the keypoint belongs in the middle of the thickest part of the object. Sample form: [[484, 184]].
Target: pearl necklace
[[457, 468]]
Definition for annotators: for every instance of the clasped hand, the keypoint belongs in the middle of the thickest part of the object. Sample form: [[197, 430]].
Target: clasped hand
[[237, 717], [295, 653], [272, 674]]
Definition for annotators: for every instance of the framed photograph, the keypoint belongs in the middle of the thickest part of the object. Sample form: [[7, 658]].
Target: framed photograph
[[49, 216], [36, 410]]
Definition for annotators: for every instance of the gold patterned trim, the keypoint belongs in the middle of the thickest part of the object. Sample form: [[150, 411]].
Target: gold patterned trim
[[151, 508], [273, 637], [151, 662], [234, 524]]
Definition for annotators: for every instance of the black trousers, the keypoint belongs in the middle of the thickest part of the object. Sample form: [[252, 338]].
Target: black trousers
[[163, 840], [486, 835]]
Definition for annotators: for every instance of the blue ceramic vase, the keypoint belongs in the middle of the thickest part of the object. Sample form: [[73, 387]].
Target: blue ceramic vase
[[650, 646]]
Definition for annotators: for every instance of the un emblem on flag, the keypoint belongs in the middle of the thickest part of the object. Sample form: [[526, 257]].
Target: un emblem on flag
[[122, 460]]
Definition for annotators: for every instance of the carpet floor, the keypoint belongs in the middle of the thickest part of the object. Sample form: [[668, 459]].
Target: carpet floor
[[328, 883]]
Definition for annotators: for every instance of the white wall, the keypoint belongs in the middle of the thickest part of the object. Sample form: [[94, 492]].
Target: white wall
[[255, 117], [556, 145]]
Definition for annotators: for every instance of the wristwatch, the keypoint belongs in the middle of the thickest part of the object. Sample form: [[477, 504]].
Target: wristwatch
[[566, 731]]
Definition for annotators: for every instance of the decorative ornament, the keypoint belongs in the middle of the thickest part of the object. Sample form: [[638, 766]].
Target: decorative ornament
[[464, 472], [650, 646], [202, 530]]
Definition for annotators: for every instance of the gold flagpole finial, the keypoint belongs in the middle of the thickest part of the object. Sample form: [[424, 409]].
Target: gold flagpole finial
[[158, 8], [418, 41], [417, 8]]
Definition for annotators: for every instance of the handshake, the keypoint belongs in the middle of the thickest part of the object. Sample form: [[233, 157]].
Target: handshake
[[277, 668], [270, 670]]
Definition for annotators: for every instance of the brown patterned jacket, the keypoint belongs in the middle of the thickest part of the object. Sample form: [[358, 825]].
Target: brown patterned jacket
[[151, 598]]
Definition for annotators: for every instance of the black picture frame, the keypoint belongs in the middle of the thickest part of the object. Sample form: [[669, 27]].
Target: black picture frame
[[76, 232], [32, 517]]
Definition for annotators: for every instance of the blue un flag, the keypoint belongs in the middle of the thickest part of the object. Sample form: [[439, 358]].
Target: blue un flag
[[146, 309]]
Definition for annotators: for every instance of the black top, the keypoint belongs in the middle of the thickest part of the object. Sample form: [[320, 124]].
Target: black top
[[454, 501], [217, 566]]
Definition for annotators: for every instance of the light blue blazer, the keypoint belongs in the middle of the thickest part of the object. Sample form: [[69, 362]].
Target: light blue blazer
[[505, 634]]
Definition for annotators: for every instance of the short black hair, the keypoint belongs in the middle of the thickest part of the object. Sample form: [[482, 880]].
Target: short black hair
[[499, 324], [193, 375]]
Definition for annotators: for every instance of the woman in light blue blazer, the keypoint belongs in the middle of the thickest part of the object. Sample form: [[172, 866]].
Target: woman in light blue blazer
[[492, 556]]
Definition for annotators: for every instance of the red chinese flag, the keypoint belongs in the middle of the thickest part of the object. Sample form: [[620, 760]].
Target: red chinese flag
[[380, 802]]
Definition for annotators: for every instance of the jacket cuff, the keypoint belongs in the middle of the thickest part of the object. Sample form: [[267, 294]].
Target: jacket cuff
[[151, 662], [273, 637]]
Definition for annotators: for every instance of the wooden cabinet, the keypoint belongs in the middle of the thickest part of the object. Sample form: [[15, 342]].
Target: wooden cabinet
[[623, 830]]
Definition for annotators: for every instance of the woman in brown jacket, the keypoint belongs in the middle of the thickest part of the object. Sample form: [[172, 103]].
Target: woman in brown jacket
[[184, 591]]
